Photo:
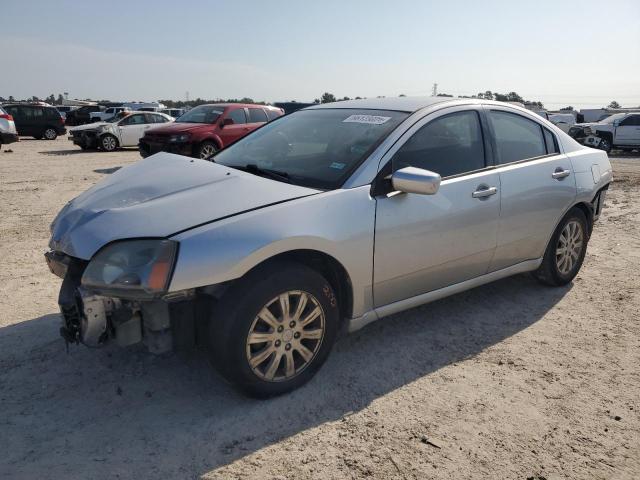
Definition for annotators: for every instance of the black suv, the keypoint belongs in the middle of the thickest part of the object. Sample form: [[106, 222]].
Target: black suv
[[82, 115], [37, 121]]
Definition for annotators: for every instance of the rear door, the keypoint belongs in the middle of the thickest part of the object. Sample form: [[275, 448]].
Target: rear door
[[426, 242], [628, 132], [538, 185], [256, 118], [235, 131]]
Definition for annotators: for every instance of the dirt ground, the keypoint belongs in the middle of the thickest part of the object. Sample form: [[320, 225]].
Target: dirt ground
[[510, 380]]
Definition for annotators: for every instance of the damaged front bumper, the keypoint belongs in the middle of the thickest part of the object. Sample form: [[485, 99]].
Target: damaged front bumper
[[84, 138], [171, 322]]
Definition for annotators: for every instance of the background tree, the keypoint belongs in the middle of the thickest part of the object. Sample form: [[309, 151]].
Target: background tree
[[567, 109], [488, 95], [327, 97], [614, 104], [402, 95], [60, 100]]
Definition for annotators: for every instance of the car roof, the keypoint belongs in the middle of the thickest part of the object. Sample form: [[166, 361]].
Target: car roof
[[242, 105]]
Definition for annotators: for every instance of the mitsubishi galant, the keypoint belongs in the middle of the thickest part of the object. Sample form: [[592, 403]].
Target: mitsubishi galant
[[333, 216]]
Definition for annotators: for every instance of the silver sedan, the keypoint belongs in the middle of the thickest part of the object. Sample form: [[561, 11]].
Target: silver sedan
[[336, 215]]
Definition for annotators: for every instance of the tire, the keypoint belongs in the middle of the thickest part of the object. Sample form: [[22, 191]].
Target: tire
[[108, 143], [50, 133], [562, 261], [605, 145], [242, 311], [207, 149]]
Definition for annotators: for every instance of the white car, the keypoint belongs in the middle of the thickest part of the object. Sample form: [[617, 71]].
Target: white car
[[620, 131], [8, 133], [123, 131]]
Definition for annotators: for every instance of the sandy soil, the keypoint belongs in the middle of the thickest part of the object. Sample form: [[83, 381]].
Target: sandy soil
[[510, 380]]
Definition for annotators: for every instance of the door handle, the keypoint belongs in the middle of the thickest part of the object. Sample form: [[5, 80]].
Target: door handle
[[484, 192], [560, 173]]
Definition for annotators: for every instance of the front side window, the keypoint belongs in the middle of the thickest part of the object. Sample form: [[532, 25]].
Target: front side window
[[202, 114], [257, 115], [317, 148], [517, 137], [237, 116], [631, 121], [133, 120], [449, 145]]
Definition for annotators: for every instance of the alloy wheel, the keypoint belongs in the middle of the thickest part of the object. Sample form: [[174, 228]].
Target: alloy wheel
[[50, 134], [109, 143], [569, 247], [285, 336], [207, 151]]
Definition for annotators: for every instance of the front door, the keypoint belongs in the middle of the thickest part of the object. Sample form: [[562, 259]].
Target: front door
[[229, 133], [538, 186], [628, 132], [426, 242], [132, 128]]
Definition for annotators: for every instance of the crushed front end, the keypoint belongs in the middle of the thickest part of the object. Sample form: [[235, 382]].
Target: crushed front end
[[110, 299]]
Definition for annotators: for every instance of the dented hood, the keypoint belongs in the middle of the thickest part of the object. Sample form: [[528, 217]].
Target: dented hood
[[159, 196]]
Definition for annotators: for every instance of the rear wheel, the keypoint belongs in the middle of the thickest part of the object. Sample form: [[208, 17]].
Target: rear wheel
[[566, 250], [50, 133], [207, 150], [274, 329], [108, 142]]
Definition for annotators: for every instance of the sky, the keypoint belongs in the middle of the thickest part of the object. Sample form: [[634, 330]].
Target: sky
[[583, 54]]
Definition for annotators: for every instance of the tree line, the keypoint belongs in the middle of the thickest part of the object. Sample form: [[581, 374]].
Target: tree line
[[326, 97]]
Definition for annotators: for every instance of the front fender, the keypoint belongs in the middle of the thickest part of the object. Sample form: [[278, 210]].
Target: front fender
[[338, 223]]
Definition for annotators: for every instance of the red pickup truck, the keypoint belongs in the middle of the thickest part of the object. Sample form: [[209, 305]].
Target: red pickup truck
[[205, 129]]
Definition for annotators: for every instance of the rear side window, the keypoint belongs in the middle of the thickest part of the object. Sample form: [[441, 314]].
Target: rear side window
[[257, 115], [449, 145], [237, 116], [273, 114], [52, 113], [517, 137], [550, 141]]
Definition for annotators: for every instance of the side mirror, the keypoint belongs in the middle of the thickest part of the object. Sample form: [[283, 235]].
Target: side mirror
[[416, 180], [226, 121]]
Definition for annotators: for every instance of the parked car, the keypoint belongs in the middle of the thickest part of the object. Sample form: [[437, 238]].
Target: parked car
[[82, 115], [263, 253], [205, 129], [8, 132], [124, 131], [620, 130], [564, 121], [173, 112], [107, 114], [64, 109], [37, 121]]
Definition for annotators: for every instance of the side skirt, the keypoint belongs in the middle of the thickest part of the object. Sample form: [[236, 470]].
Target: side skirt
[[391, 308]]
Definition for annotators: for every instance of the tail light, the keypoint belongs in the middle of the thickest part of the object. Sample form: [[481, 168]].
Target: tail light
[[7, 117]]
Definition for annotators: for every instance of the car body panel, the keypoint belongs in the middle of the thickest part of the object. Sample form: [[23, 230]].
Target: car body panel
[[158, 197], [337, 223]]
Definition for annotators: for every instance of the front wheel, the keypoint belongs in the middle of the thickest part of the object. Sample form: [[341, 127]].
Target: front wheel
[[605, 145], [108, 142], [274, 329], [207, 150], [50, 133], [566, 250]]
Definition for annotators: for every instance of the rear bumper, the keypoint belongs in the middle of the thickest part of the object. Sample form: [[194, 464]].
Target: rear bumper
[[6, 138], [149, 148]]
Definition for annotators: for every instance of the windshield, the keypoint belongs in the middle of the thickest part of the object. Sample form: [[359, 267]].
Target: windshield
[[314, 148], [613, 118], [202, 114]]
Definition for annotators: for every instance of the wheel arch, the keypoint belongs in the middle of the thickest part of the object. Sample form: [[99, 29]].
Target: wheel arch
[[326, 265], [211, 138]]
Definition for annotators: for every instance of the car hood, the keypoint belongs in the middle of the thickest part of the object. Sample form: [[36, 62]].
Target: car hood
[[89, 126], [177, 127], [158, 197]]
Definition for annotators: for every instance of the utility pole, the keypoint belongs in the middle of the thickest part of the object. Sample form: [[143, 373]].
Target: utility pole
[[434, 90]]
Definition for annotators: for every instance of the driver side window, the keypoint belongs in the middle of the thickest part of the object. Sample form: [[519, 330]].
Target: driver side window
[[449, 145]]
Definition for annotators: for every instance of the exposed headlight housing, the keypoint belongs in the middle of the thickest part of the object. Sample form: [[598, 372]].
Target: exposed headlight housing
[[132, 268], [184, 137]]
